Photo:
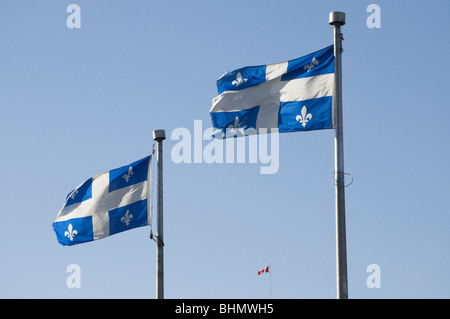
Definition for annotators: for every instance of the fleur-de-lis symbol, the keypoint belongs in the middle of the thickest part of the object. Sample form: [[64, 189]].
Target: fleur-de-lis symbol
[[239, 80], [234, 129], [70, 232], [304, 117], [313, 63], [127, 218], [236, 123], [74, 193], [127, 176]]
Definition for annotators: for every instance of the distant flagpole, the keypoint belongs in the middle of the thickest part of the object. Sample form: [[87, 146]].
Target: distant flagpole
[[159, 136], [266, 270], [270, 278], [337, 19]]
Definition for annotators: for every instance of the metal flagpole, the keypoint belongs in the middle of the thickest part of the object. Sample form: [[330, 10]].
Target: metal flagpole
[[159, 136], [337, 19]]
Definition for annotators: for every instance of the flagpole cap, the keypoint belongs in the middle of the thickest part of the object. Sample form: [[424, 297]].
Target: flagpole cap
[[159, 135], [337, 18]]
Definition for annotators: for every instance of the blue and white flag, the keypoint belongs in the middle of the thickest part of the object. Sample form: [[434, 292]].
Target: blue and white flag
[[106, 204], [284, 97]]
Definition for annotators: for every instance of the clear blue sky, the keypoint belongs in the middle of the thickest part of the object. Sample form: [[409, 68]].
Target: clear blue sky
[[78, 102]]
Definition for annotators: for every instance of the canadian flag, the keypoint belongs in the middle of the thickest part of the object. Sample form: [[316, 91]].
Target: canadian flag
[[263, 270]]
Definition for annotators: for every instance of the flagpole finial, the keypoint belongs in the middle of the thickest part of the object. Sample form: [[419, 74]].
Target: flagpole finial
[[337, 18], [159, 135]]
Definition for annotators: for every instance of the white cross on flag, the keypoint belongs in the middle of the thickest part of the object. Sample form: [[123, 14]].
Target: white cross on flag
[[106, 204], [283, 97]]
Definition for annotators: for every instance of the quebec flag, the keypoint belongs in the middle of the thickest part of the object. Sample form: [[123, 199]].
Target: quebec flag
[[106, 204], [284, 97]]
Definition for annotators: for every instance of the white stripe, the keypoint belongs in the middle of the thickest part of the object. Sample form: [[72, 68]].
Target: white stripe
[[100, 217], [308, 88], [274, 71], [275, 90], [231, 101], [266, 118]]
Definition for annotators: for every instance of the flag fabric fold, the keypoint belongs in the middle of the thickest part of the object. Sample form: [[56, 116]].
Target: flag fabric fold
[[106, 204], [284, 97]]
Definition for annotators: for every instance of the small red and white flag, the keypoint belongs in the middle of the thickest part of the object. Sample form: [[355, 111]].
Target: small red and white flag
[[264, 270]]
